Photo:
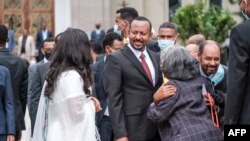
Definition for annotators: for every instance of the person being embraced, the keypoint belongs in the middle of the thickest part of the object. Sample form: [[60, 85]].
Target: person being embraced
[[182, 115]]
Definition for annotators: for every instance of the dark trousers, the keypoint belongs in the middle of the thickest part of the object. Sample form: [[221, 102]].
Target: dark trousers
[[105, 129]]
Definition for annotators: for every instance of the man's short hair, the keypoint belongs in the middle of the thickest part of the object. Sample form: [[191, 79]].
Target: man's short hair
[[170, 25], [110, 38], [143, 19], [3, 34], [127, 13]]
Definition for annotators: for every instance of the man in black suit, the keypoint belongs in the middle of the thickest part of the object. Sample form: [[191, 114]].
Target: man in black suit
[[131, 76], [237, 109], [112, 42], [43, 34], [19, 79]]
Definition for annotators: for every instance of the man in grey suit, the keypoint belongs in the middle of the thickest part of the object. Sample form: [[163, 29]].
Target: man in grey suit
[[37, 77], [19, 78], [131, 76], [47, 48]]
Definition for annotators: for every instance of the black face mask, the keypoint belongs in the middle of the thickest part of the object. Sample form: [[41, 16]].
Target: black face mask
[[48, 54]]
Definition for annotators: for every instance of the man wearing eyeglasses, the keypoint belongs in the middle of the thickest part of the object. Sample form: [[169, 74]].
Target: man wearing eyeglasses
[[237, 109]]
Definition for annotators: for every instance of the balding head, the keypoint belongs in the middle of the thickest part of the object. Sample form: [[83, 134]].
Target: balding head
[[193, 49], [196, 39]]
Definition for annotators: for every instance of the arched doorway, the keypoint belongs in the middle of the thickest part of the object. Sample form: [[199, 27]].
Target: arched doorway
[[27, 14]]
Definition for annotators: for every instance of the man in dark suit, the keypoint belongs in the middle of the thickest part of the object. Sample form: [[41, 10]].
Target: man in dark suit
[[19, 78], [98, 34], [7, 110], [43, 34], [237, 109], [131, 76], [112, 42]]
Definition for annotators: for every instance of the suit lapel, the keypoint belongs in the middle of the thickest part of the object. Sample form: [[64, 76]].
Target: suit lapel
[[132, 58]]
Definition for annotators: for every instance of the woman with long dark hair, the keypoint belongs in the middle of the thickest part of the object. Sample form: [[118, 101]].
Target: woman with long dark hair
[[66, 110]]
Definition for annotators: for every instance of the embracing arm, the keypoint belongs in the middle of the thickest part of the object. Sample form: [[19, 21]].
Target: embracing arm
[[163, 92], [161, 111]]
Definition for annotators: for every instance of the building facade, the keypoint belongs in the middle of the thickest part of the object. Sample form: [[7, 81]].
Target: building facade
[[83, 14]]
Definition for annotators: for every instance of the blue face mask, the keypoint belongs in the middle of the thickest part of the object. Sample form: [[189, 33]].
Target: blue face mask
[[245, 15], [116, 30], [165, 43], [218, 76]]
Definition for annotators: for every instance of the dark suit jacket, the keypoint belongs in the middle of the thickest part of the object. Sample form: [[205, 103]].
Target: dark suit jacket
[[185, 116], [39, 38], [36, 89], [237, 110], [19, 79], [130, 93], [153, 45], [7, 108], [98, 37], [99, 89]]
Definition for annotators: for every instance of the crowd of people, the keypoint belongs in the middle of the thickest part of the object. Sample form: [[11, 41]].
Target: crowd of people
[[122, 84]]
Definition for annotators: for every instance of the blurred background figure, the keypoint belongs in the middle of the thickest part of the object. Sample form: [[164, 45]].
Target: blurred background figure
[[196, 39], [26, 47], [11, 35], [98, 34], [194, 50], [43, 34]]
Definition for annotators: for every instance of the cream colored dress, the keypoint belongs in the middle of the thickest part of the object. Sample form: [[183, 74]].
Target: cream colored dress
[[71, 115]]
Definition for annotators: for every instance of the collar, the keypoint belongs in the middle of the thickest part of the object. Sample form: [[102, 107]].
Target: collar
[[45, 60], [138, 53]]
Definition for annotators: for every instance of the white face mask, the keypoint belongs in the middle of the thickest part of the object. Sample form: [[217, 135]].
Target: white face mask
[[116, 30], [165, 43]]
